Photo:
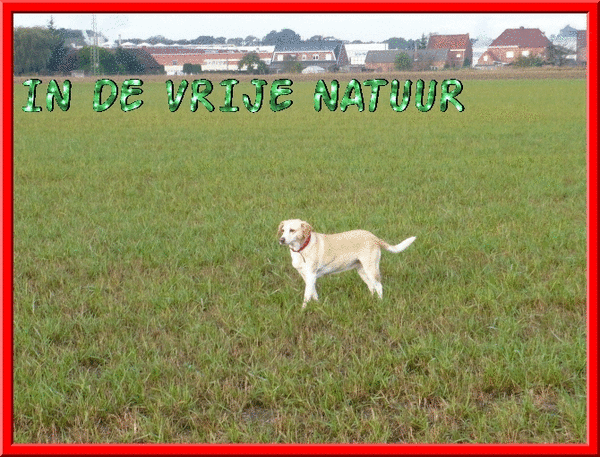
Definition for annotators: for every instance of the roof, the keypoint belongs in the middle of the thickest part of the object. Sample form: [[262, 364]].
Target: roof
[[522, 38], [493, 56], [383, 56], [310, 46], [448, 41], [390, 56], [313, 69]]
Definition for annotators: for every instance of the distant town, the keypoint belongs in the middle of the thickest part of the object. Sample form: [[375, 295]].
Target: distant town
[[51, 51]]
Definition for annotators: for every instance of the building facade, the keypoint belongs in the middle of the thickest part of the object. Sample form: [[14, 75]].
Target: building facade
[[424, 59], [513, 44], [460, 50], [329, 55]]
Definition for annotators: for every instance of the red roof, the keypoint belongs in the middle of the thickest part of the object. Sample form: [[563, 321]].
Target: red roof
[[522, 38], [448, 41]]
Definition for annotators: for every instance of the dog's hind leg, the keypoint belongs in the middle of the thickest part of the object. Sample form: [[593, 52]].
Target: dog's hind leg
[[372, 281]]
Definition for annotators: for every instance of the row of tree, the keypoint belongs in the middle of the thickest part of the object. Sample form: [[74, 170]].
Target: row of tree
[[273, 38], [39, 50]]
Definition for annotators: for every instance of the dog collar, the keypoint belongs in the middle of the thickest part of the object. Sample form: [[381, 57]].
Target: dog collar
[[303, 245]]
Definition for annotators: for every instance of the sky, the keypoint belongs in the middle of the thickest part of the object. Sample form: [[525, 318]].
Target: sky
[[364, 26]]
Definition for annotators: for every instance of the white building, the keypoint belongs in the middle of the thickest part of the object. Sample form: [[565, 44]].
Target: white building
[[358, 52]]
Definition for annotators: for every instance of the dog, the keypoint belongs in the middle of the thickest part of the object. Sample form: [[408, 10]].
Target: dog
[[316, 254]]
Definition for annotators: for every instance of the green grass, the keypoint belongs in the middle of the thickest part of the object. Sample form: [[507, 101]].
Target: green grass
[[152, 302]]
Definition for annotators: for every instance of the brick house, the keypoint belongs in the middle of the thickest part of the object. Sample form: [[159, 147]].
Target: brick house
[[424, 59], [173, 58], [515, 43], [459, 48], [329, 55], [582, 47]]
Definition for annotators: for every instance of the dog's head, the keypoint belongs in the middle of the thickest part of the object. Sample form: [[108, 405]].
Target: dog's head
[[293, 232]]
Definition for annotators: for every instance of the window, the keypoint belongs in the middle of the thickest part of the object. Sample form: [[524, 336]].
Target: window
[[303, 56], [279, 57], [525, 53], [485, 58], [510, 54], [458, 55], [315, 56]]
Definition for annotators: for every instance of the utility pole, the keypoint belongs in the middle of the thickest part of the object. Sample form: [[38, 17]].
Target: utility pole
[[95, 57]]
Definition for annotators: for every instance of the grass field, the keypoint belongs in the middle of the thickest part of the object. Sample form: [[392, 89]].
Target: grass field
[[152, 302]]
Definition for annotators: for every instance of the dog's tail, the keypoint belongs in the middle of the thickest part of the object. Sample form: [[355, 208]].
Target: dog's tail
[[399, 247]]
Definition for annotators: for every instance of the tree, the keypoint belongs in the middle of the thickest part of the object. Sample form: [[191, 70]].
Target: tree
[[58, 55], [262, 68], [192, 69], [253, 63], [127, 62], [159, 39], [108, 64], [528, 61], [203, 39], [51, 25], [59, 52], [291, 65], [403, 62], [422, 42], [397, 43], [33, 47], [235, 41], [286, 36], [556, 55]]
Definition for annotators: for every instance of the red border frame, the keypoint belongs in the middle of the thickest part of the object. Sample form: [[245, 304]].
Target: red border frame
[[350, 6]]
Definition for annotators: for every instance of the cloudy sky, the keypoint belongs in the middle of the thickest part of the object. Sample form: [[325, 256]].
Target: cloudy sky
[[365, 27]]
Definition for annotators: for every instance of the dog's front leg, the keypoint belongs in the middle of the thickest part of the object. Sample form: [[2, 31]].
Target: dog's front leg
[[310, 291]]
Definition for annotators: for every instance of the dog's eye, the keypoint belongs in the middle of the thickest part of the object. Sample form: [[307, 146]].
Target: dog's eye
[[292, 230]]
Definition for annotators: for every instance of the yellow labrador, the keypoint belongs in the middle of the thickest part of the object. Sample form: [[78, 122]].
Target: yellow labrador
[[315, 254]]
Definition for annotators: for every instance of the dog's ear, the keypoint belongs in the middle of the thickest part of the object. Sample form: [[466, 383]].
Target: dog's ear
[[280, 230], [306, 229]]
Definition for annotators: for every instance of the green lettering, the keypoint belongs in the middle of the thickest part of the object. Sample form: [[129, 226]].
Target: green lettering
[[54, 93], [30, 107], [375, 85], [321, 94], [131, 87], [357, 100], [405, 96], [253, 108], [277, 91], [228, 107], [449, 96], [201, 96], [430, 95], [175, 102], [99, 107]]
